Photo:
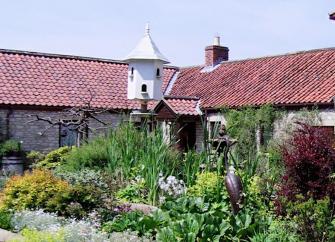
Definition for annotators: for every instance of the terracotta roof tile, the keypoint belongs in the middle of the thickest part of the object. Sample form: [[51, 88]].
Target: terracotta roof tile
[[183, 106], [55, 80], [299, 78]]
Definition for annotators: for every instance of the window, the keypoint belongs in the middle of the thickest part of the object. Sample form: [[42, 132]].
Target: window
[[132, 71], [158, 72], [144, 88]]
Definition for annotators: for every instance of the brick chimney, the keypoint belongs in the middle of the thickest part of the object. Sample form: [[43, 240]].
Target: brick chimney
[[214, 54], [332, 16]]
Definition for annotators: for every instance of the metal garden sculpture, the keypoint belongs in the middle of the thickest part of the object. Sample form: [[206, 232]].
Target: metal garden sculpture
[[223, 144]]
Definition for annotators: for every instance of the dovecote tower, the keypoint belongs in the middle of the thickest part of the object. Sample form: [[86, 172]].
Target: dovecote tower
[[145, 70]]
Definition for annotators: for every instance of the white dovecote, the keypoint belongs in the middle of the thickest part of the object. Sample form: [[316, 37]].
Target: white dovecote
[[145, 70]]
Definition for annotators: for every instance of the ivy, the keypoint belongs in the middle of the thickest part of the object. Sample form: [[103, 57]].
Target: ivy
[[242, 124]]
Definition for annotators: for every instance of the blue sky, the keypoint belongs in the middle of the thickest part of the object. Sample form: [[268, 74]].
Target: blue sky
[[180, 28]]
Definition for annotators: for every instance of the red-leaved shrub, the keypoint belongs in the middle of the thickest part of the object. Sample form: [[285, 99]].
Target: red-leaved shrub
[[309, 160]]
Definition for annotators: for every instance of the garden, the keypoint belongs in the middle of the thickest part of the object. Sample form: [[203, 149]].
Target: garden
[[131, 185]]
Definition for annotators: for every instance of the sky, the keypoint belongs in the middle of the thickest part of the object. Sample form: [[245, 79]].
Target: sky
[[180, 28]]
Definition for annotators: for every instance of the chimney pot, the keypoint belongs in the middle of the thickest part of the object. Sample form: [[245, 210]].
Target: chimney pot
[[214, 54], [216, 40]]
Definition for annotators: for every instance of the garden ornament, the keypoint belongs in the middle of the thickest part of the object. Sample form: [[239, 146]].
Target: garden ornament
[[232, 181]]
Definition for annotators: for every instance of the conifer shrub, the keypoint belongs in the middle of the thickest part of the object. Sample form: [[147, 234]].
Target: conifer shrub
[[309, 161]]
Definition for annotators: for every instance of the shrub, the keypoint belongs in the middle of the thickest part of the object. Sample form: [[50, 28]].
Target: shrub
[[54, 158], [42, 226], [208, 185], [313, 218], [38, 189], [10, 147], [279, 231], [5, 219], [34, 157], [83, 177], [134, 192], [36, 220], [83, 199], [309, 160]]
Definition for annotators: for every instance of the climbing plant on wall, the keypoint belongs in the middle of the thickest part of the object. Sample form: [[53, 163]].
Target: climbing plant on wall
[[243, 124]]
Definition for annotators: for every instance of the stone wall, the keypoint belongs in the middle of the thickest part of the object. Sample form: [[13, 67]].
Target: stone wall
[[284, 125], [39, 135]]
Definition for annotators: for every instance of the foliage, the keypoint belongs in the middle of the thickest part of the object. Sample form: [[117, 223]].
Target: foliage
[[34, 157], [134, 192], [313, 217], [123, 222], [83, 199], [83, 177], [190, 166], [41, 189], [30, 235], [42, 226], [54, 158], [279, 231], [36, 220], [309, 160], [5, 219], [38, 189], [124, 149], [128, 236], [208, 185], [194, 219], [10, 147], [242, 125]]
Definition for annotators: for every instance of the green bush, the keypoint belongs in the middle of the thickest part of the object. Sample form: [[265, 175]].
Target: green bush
[[208, 185], [279, 231], [38, 189], [10, 147], [313, 217], [135, 193], [34, 157], [54, 158], [5, 219]]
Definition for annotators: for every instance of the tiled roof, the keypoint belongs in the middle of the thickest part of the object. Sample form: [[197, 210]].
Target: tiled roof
[[183, 105], [180, 105], [31, 78], [299, 78]]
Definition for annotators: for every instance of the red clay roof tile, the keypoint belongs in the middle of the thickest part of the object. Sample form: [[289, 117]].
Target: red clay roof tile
[[299, 78], [53, 80], [183, 105]]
